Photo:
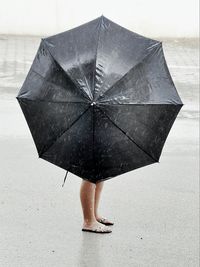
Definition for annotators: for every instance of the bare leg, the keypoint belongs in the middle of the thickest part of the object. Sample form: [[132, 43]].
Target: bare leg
[[87, 197], [87, 193], [98, 191]]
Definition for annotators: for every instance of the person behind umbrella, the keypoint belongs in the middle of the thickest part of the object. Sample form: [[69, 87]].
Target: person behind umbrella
[[90, 196], [100, 108]]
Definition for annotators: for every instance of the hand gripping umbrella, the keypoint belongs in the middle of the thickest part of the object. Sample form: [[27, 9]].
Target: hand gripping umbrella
[[99, 100]]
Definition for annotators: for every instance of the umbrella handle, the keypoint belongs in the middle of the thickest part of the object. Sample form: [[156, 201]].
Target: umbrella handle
[[65, 178]]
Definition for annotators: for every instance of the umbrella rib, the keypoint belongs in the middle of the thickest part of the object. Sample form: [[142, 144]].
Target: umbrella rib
[[144, 78], [47, 80], [144, 58], [83, 92], [60, 87], [63, 132], [94, 73], [142, 122], [128, 136], [41, 100], [86, 82]]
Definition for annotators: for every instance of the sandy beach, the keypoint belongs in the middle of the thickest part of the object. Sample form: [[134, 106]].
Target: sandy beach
[[155, 208]]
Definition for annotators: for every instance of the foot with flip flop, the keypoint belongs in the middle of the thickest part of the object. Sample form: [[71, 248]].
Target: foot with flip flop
[[100, 225]]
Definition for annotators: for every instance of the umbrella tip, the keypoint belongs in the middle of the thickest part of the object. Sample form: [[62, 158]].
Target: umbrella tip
[[102, 16], [93, 103]]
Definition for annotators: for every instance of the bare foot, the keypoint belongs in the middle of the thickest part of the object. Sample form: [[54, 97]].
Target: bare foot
[[96, 227], [104, 221]]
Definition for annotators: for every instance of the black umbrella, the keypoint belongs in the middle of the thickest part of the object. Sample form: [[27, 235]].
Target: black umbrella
[[99, 100]]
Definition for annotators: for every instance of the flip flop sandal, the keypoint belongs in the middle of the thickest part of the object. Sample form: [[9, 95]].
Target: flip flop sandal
[[105, 221], [97, 230]]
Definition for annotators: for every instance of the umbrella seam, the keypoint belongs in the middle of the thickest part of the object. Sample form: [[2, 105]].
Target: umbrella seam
[[81, 70], [128, 136], [143, 75], [63, 132], [40, 100], [168, 72], [107, 103], [32, 70], [144, 58], [84, 94], [60, 87], [94, 74]]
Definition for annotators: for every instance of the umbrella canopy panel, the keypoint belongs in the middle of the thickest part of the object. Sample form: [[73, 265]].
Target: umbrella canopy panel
[[99, 100]]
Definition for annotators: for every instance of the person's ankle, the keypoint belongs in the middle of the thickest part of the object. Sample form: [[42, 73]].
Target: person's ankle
[[97, 216], [89, 221]]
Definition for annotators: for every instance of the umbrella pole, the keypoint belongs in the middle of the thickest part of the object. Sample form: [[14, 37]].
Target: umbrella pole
[[65, 178]]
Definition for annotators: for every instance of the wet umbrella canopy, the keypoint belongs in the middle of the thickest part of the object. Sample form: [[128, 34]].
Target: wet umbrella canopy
[[99, 100]]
